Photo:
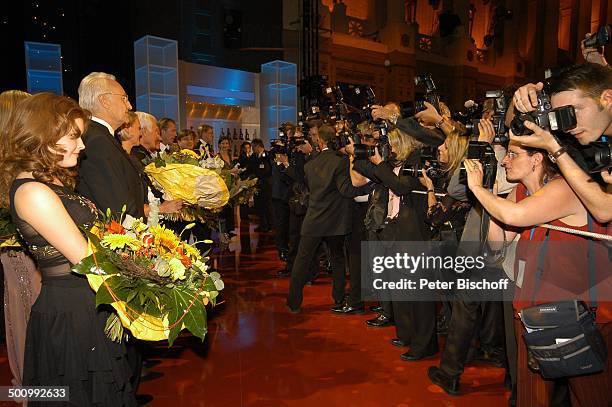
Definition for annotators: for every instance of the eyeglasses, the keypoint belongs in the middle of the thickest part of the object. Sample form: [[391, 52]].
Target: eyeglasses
[[124, 97], [511, 155]]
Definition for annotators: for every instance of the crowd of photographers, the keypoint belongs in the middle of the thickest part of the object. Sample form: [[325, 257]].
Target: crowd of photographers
[[526, 156]]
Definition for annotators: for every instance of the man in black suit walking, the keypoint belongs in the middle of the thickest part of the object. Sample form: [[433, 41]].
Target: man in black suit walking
[[328, 218], [107, 176]]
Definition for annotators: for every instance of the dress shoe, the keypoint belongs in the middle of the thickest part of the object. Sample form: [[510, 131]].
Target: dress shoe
[[376, 308], [398, 342], [143, 399], [448, 383], [380, 321], [347, 309], [410, 357], [294, 310]]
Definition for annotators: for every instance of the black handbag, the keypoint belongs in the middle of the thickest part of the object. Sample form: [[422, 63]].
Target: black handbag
[[562, 336]]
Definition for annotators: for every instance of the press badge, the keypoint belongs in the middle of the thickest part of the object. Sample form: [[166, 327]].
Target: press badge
[[521, 273]]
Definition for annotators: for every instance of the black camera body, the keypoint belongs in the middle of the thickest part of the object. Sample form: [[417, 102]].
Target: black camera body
[[600, 38], [598, 156], [429, 162], [560, 119], [432, 169], [483, 152], [409, 109], [498, 119]]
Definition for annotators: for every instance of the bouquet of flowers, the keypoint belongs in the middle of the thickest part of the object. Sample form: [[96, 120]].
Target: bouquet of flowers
[[157, 284], [179, 177], [240, 190]]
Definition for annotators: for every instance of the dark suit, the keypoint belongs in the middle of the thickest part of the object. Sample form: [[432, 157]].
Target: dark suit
[[107, 176], [261, 168], [328, 218], [415, 322]]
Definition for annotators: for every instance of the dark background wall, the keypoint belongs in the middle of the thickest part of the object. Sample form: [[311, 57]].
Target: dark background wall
[[98, 35]]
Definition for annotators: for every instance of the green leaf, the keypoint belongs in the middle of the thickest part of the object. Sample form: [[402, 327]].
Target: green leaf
[[132, 295], [194, 320]]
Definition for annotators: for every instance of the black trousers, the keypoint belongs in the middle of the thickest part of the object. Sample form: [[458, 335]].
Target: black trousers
[[415, 321], [300, 273], [471, 319], [281, 223], [295, 227], [358, 234]]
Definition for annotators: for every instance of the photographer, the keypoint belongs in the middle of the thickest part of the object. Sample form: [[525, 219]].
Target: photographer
[[447, 216], [588, 88], [391, 113], [396, 214], [327, 218], [298, 198], [542, 197]]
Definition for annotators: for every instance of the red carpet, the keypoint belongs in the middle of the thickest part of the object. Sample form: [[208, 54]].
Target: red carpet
[[258, 354]]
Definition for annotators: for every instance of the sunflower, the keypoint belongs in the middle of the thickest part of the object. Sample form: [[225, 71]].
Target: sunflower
[[190, 153], [116, 241], [165, 237]]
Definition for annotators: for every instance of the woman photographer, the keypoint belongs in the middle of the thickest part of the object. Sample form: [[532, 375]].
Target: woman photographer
[[447, 215], [540, 197], [396, 214]]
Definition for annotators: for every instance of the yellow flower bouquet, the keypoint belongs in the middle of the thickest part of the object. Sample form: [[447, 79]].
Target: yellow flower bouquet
[[157, 284]]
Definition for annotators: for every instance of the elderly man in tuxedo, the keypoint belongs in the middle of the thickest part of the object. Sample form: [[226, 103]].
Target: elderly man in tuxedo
[[328, 217], [107, 176]]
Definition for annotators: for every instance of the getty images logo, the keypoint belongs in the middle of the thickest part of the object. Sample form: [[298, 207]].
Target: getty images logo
[[548, 309]]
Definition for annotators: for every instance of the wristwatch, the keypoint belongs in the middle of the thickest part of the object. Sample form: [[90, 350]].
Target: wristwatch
[[553, 157], [440, 123]]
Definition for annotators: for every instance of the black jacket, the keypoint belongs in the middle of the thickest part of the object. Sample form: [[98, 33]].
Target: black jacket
[[107, 176], [411, 218], [331, 192]]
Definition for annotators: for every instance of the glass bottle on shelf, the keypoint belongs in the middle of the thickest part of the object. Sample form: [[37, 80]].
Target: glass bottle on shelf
[[246, 136], [222, 133], [235, 135], [228, 134], [241, 136]]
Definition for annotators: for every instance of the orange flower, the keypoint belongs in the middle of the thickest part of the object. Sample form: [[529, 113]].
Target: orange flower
[[115, 227], [186, 261], [148, 239]]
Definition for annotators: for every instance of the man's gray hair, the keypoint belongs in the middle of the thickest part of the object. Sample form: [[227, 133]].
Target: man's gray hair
[[91, 87], [147, 121]]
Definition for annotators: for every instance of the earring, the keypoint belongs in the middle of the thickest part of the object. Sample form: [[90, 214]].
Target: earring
[[533, 168]]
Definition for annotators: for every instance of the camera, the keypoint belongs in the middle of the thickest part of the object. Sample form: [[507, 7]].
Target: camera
[[599, 38], [483, 152], [429, 163], [409, 109], [500, 108], [560, 119], [432, 169], [598, 155]]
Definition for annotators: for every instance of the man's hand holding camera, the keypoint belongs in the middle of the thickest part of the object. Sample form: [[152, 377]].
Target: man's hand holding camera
[[526, 97]]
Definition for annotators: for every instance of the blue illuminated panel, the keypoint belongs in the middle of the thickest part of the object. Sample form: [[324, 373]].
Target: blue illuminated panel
[[156, 73], [44, 67], [278, 83]]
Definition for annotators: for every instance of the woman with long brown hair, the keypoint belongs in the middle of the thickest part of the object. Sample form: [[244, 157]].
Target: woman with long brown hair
[[21, 277], [65, 341]]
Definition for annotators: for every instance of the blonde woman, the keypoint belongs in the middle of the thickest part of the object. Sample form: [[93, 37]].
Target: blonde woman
[[21, 277], [396, 214]]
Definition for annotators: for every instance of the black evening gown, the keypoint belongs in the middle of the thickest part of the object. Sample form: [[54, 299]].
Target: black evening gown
[[65, 341]]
